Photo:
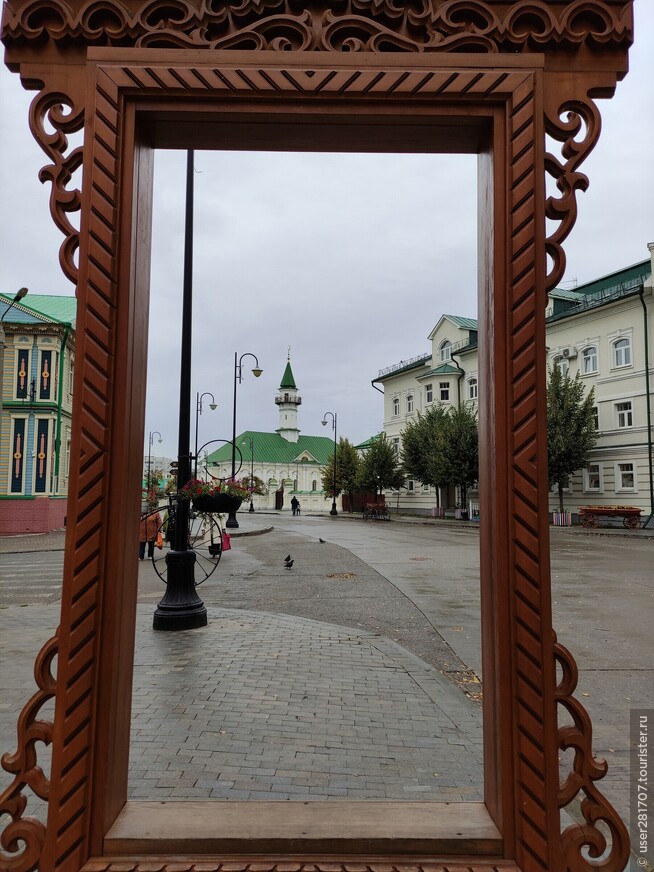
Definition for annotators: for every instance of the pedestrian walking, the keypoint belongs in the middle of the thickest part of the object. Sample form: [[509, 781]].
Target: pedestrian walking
[[295, 506], [150, 524]]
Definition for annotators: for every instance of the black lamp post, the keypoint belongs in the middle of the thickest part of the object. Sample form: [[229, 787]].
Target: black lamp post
[[153, 433], [181, 608], [251, 441], [238, 378], [324, 424], [198, 411]]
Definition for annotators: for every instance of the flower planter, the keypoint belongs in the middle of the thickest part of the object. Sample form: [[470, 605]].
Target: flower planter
[[217, 503]]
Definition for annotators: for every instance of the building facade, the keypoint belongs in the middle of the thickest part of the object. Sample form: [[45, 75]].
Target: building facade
[[288, 463], [38, 359], [602, 330]]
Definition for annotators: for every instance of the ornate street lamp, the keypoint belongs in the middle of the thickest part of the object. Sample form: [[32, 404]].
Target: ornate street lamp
[[251, 441], [324, 424], [198, 411], [181, 608], [238, 378], [153, 433]]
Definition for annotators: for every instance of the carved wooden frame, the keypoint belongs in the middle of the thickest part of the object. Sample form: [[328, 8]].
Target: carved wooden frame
[[134, 99]]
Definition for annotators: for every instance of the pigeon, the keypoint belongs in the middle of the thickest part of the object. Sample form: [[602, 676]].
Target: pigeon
[[322, 541], [287, 558], [290, 564]]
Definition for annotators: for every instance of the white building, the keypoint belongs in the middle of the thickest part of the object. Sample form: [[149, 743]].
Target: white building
[[604, 330]]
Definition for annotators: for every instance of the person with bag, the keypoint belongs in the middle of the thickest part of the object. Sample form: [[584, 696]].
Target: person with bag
[[150, 526]]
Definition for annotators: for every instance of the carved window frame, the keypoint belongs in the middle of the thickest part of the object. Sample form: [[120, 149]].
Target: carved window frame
[[94, 644]]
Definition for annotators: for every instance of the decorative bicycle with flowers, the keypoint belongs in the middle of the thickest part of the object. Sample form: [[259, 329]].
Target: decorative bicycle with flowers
[[206, 536]]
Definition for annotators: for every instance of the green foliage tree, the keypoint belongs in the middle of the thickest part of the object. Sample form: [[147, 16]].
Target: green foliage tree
[[460, 449], [422, 448], [258, 485], [347, 468], [153, 487], [380, 467], [571, 433]]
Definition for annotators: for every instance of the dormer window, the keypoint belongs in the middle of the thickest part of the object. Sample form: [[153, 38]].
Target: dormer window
[[445, 350]]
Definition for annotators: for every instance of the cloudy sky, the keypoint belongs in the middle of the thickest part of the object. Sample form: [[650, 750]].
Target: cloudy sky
[[348, 259]]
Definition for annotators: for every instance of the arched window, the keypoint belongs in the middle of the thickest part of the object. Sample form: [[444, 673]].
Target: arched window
[[445, 350], [562, 364], [314, 485], [473, 389], [622, 352], [409, 404], [396, 405], [589, 359]]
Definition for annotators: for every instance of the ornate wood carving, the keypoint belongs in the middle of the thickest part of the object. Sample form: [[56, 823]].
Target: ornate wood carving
[[24, 837], [348, 25], [64, 113], [584, 843], [579, 132], [380, 27], [216, 864]]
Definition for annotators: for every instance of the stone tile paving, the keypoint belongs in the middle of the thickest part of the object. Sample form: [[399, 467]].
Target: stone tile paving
[[261, 706]]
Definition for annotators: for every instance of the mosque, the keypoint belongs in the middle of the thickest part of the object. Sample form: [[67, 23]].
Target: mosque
[[288, 463]]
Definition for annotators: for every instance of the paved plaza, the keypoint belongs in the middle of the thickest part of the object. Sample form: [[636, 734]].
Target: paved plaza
[[355, 675]]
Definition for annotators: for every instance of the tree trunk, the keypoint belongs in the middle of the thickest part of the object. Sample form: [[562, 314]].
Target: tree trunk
[[561, 497]]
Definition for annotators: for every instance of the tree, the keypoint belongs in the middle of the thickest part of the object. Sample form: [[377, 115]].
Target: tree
[[571, 431], [380, 467], [460, 449], [347, 469], [422, 448], [153, 490], [258, 485]]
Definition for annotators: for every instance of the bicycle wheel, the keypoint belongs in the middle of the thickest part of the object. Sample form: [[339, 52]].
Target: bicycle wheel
[[205, 539]]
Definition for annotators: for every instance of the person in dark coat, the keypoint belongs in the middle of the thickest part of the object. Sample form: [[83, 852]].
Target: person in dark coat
[[295, 505]]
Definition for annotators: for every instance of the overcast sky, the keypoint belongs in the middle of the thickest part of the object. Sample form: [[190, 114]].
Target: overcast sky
[[348, 259]]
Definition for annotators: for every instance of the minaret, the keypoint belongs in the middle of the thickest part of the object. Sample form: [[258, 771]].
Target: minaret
[[288, 400]]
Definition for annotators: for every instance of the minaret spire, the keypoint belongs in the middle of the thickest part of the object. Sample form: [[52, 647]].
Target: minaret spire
[[288, 401]]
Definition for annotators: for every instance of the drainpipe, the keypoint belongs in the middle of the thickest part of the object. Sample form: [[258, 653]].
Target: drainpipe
[[375, 387], [641, 294], [60, 400], [462, 372]]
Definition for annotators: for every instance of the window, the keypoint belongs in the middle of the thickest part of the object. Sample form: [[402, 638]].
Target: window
[[596, 417], [622, 352], [593, 478], [395, 442], [409, 404], [624, 414], [410, 485], [396, 406], [625, 477], [426, 488], [429, 393], [294, 484], [589, 359], [445, 350], [473, 389], [314, 485], [562, 364], [444, 388]]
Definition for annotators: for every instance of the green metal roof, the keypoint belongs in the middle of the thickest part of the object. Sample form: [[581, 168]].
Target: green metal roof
[[288, 380], [363, 445], [273, 448], [54, 308], [441, 369], [629, 276], [464, 323]]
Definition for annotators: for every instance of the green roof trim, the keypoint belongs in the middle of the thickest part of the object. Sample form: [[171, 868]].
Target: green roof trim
[[464, 323], [288, 380], [273, 448], [50, 306], [441, 369]]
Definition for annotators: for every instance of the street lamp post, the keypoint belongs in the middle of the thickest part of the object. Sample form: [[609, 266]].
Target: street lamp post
[[238, 378], [181, 608], [251, 441], [153, 433], [198, 412], [324, 424]]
